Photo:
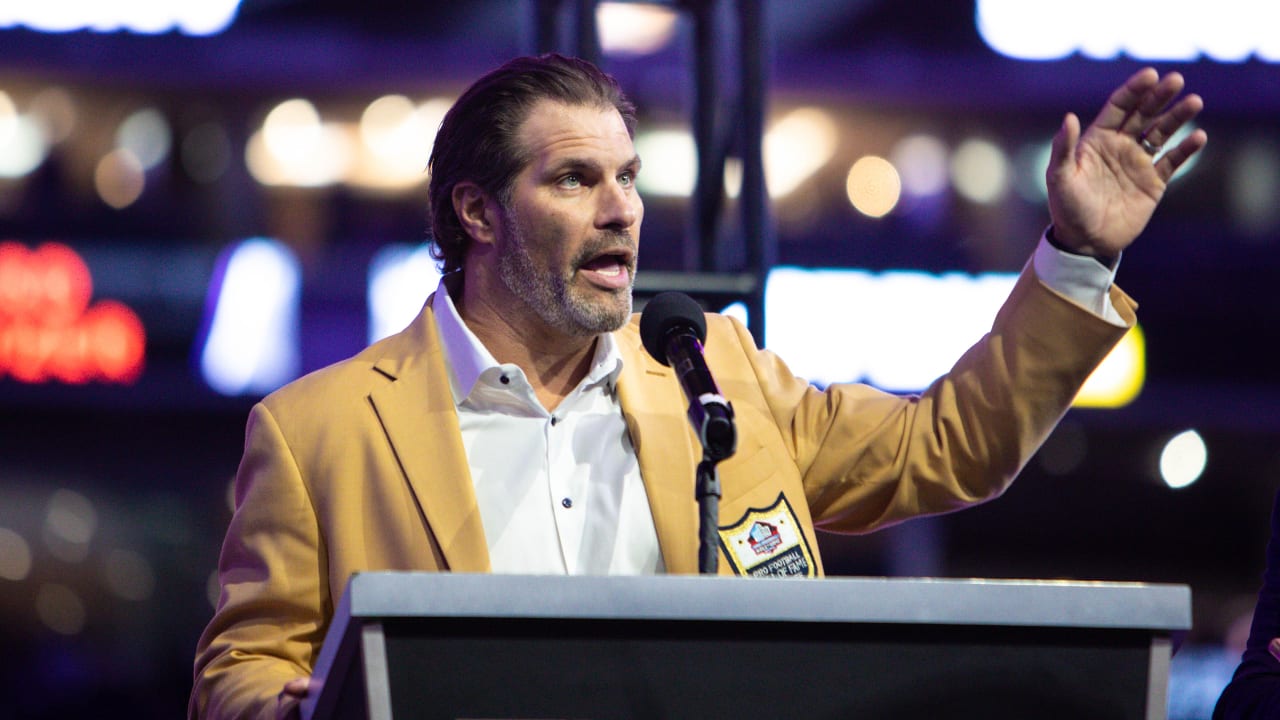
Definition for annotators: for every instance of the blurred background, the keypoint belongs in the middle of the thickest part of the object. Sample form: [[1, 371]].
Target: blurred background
[[200, 201]]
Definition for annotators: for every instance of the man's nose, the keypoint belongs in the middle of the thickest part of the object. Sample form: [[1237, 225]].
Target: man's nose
[[620, 206]]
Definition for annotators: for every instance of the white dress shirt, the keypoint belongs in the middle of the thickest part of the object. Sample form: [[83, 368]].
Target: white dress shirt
[[561, 493]]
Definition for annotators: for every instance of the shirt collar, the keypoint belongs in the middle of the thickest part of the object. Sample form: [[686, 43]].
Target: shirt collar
[[466, 357]]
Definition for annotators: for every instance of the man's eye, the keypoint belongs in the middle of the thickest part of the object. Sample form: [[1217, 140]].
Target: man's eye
[[572, 181], [627, 179]]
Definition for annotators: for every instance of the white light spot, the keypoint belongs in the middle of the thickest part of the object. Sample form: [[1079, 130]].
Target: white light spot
[[920, 326], [1183, 459], [396, 138], [252, 343], [796, 147], [1233, 31], [191, 17], [980, 171], [670, 163], [400, 279], [147, 135], [22, 141], [738, 311], [295, 148], [633, 28]]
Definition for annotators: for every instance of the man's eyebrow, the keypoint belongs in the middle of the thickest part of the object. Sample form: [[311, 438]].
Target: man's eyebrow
[[571, 163], [580, 164]]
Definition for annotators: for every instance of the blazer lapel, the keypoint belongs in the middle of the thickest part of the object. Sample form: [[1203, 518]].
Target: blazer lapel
[[421, 422], [654, 408]]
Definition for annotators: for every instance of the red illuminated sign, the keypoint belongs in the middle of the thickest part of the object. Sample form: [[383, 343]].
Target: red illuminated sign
[[48, 330]]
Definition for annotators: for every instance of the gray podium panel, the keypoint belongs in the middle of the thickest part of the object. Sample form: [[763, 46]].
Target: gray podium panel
[[421, 645]]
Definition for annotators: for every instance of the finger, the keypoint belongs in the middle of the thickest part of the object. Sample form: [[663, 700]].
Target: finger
[[1169, 122], [1126, 98], [1169, 162], [1064, 143], [1153, 103], [297, 687]]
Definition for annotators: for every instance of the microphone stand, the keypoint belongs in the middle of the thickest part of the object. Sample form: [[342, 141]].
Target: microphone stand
[[712, 417], [708, 493]]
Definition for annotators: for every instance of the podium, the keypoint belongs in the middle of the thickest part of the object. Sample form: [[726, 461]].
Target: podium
[[489, 647]]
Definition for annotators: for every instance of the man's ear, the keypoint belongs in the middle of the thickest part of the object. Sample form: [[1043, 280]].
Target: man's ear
[[477, 212]]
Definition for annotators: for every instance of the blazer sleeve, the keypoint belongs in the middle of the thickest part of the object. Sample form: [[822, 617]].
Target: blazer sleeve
[[1254, 690], [869, 458], [272, 613]]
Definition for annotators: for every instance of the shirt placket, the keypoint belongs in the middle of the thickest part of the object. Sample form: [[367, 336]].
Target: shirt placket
[[567, 486]]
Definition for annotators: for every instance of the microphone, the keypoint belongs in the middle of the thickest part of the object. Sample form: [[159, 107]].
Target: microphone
[[673, 328]]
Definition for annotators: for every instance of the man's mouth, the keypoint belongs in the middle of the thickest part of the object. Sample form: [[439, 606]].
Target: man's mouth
[[610, 270]]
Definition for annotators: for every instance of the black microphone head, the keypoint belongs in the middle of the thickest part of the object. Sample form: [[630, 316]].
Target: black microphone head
[[666, 312]]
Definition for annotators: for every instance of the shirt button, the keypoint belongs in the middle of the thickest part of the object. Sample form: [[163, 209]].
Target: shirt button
[[504, 380], [567, 503], [554, 420]]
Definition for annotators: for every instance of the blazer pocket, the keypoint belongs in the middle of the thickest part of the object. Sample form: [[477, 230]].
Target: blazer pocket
[[744, 473]]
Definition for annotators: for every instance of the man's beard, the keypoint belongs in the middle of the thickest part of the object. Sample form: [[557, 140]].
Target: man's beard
[[553, 296]]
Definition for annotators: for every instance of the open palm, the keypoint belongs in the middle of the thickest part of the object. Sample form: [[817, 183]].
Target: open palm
[[1104, 184]]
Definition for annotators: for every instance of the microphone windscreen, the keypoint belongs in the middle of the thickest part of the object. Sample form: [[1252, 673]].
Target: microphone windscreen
[[666, 312]]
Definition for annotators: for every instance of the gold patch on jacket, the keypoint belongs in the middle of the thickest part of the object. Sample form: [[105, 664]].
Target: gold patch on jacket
[[768, 542]]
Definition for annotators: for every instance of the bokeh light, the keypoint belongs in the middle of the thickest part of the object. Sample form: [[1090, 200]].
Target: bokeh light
[[69, 525], [60, 609], [295, 148], [15, 556], [634, 28], [980, 171], [873, 186], [797, 146], [22, 141], [147, 135], [1183, 459], [921, 161], [120, 178]]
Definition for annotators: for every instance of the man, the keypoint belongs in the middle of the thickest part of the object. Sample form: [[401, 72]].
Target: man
[[1254, 690], [517, 425]]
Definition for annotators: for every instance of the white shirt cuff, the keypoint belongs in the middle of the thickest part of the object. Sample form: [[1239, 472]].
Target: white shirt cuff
[[1079, 278]]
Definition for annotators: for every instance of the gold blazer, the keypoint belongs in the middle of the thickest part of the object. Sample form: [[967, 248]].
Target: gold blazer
[[360, 466]]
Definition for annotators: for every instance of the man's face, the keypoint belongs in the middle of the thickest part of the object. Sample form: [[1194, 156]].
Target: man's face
[[569, 235]]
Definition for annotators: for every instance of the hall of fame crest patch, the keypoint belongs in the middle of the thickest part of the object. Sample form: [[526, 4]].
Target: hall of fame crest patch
[[768, 542]]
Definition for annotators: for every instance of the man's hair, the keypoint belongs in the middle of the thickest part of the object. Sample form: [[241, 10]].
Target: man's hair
[[478, 142]]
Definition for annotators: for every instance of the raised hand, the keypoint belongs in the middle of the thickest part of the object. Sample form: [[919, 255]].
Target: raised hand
[[1104, 185]]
